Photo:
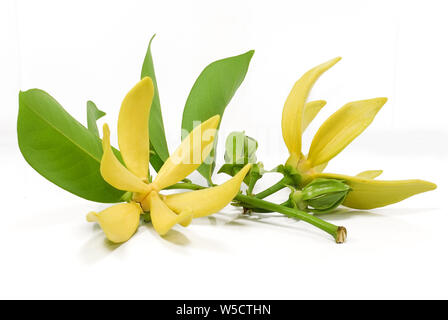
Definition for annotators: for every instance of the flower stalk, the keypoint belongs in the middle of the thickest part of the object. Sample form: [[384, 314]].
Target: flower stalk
[[339, 233], [274, 188]]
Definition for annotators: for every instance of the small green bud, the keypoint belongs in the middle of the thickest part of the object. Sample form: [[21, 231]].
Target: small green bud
[[240, 149], [321, 195]]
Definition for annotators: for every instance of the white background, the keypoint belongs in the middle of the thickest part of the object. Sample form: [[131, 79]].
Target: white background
[[80, 50]]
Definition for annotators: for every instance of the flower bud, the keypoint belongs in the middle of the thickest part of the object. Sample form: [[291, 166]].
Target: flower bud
[[321, 195], [240, 149]]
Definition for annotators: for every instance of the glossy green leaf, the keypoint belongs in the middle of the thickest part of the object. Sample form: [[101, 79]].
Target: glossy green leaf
[[93, 114], [156, 129], [60, 148], [210, 95]]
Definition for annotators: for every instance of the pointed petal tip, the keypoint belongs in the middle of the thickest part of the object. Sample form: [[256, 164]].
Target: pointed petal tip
[[92, 217], [330, 63], [370, 174], [382, 100], [378, 102], [429, 185], [321, 102], [214, 121], [333, 61], [106, 128], [147, 81], [106, 135], [246, 169]]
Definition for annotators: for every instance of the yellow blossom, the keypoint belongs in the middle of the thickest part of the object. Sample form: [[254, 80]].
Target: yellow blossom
[[332, 137], [120, 222]]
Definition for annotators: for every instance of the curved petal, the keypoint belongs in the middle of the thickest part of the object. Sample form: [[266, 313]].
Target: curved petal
[[133, 132], [118, 222], [192, 151], [115, 173], [162, 218], [320, 167], [370, 174], [369, 193], [207, 201], [294, 106], [341, 128], [311, 110]]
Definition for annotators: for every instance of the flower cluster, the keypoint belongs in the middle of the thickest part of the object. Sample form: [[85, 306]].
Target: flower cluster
[[75, 158], [333, 136]]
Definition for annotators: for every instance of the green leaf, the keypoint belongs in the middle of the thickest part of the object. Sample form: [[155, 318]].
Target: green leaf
[[156, 129], [60, 148], [93, 114], [210, 95]]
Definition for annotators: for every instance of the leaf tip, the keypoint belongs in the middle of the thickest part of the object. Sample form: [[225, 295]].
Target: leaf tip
[[250, 53], [152, 38]]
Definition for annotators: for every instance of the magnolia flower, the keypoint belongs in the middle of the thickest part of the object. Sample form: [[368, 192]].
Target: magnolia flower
[[332, 137], [121, 221]]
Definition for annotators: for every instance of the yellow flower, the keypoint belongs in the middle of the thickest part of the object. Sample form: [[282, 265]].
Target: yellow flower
[[332, 137], [121, 221]]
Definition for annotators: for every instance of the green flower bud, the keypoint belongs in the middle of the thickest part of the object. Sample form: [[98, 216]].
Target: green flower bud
[[240, 149], [321, 195]]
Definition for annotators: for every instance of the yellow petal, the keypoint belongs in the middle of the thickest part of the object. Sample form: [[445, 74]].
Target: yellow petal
[[115, 173], [133, 134], [320, 167], [310, 112], [162, 218], [369, 193], [207, 201], [341, 128], [294, 106], [189, 155], [370, 174], [118, 222]]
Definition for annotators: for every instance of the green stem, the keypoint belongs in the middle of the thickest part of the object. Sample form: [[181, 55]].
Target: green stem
[[338, 233], [255, 209], [274, 188], [186, 185]]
